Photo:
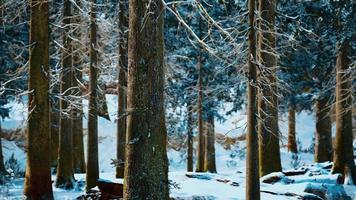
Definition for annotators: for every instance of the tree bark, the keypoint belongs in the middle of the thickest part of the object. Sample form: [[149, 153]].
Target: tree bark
[[38, 173], [323, 137], [146, 167], [2, 164], [190, 138], [343, 149], [252, 168], [54, 127], [92, 169], [270, 160], [292, 141], [210, 163], [121, 88], [65, 173], [201, 136]]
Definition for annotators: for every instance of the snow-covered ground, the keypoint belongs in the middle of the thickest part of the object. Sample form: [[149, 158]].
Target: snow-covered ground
[[228, 183]]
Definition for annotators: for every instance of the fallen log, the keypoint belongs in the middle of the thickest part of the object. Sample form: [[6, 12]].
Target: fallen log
[[327, 191], [110, 190]]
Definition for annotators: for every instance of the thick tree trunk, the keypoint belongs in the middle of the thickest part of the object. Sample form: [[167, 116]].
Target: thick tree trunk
[[38, 172], [323, 138], [201, 134], [121, 88], [270, 160], [210, 164], [77, 114], [92, 169], [146, 167], [252, 167], [343, 150], [2, 164], [65, 174], [190, 138], [292, 141]]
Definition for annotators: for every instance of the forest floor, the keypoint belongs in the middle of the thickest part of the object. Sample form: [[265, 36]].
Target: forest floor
[[228, 183]]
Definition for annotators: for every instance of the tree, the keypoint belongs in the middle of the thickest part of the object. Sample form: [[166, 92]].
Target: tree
[[343, 151], [146, 167], [252, 167], [121, 88], [65, 172], [270, 160], [2, 164], [92, 169], [38, 174], [292, 142], [210, 163], [77, 80], [190, 137]]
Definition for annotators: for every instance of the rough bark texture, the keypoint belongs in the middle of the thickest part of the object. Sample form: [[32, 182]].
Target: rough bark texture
[[92, 169], [270, 160], [146, 167], [54, 128], [343, 150], [65, 173], [190, 138], [2, 165], [292, 142], [252, 167], [210, 163], [121, 88], [77, 112], [201, 136], [38, 184], [323, 138]]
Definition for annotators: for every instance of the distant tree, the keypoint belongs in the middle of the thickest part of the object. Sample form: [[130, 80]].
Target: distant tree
[[269, 153], [2, 164], [252, 157], [65, 172], [190, 137], [292, 141], [38, 174], [146, 167], [92, 168]]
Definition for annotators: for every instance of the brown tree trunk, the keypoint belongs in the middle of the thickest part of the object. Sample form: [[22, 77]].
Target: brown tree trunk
[[77, 116], [252, 168], [323, 138], [92, 170], [38, 172], [65, 174], [270, 160], [201, 135], [292, 141], [121, 88], [190, 138], [210, 164], [343, 150], [54, 128], [2, 165], [146, 167]]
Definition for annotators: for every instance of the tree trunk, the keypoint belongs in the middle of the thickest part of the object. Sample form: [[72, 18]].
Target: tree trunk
[[201, 135], [292, 141], [270, 160], [2, 165], [190, 138], [38, 172], [323, 137], [121, 88], [343, 150], [252, 171], [54, 127], [77, 116], [146, 167], [65, 174], [92, 169], [210, 164]]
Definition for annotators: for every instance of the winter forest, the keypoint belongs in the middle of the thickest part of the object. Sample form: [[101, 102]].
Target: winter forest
[[178, 99]]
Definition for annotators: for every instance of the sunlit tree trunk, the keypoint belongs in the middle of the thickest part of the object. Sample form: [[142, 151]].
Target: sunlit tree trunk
[[92, 170], [38, 183], [292, 141], [252, 167], [323, 137], [343, 149], [210, 163], [146, 167], [270, 160]]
